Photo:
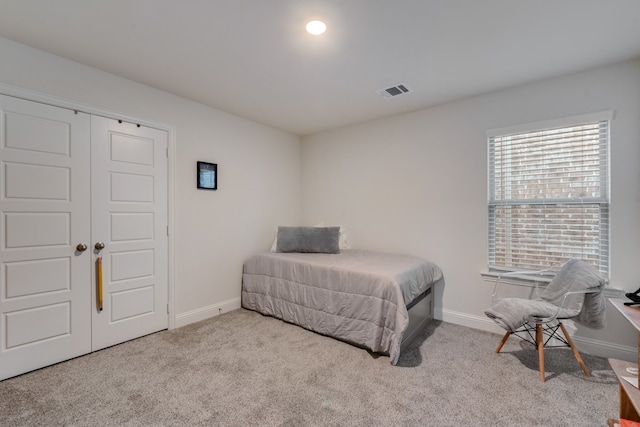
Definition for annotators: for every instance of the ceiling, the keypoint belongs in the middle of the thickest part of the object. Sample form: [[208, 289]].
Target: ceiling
[[253, 58]]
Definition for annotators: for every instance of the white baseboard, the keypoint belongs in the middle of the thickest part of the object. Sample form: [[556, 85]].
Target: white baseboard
[[585, 345], [203, 313], [606, 349]]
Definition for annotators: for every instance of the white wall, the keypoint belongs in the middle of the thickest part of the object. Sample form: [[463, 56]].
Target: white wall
[[215, 231], [417, 183]]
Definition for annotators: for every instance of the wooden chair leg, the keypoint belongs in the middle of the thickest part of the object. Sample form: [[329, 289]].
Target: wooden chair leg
[[575, 351], [504, 340], [540, 345]]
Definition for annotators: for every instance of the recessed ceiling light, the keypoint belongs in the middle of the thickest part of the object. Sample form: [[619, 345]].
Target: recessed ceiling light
[[316, 27]]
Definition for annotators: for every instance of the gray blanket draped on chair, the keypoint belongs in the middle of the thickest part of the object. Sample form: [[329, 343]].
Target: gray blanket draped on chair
[[585, 308]]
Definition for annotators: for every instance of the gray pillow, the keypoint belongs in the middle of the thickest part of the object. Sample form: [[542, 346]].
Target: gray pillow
[[309, 239]]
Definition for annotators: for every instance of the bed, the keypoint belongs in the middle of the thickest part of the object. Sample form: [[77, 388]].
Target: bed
[[374, 300]]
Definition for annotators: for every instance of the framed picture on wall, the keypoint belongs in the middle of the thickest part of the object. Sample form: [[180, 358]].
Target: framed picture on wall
[[207, 176]]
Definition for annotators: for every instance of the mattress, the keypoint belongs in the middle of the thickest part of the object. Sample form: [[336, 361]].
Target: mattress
[[356, 296]]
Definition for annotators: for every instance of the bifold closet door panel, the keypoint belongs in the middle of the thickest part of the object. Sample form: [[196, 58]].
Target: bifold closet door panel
[[45, 285], [129, 205]]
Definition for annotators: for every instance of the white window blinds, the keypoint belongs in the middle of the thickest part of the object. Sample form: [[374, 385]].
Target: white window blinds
[[548, 196]]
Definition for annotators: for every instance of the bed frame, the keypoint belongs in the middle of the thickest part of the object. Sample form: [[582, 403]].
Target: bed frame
[[420, 314]]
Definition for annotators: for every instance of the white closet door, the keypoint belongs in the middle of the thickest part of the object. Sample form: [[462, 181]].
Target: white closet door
[[129, 205], [45, 289]]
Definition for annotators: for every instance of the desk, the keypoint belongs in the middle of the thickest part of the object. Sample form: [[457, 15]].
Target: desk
[[629, 395]]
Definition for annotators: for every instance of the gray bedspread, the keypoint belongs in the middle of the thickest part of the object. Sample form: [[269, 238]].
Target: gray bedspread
[[356, 296]]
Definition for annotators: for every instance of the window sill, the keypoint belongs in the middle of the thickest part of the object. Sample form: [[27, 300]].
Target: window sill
[[530, 281]]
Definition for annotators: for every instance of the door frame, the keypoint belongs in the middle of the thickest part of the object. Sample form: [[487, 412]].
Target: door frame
[[29, 95]]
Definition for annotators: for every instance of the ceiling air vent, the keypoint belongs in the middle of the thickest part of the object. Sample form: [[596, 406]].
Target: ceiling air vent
[[393, 91]]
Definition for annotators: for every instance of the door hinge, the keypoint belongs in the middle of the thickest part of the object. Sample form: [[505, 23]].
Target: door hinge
[[167, 308], [167, 152], [167, 230]]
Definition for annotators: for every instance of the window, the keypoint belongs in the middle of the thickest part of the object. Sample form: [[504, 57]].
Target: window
[[548, 194]]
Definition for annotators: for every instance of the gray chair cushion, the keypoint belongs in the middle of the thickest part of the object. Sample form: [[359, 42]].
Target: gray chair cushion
[[586, 309], [575, 275]]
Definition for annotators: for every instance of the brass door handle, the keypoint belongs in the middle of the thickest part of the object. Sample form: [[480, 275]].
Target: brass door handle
[[81, 247], [99, 246], [99, 284]]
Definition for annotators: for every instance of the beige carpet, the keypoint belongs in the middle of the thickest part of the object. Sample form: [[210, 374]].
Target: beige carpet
[[245, 369]]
